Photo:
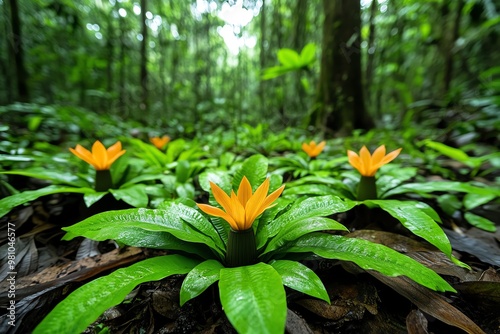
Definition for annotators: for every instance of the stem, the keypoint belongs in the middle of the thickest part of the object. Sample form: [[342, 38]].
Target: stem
[[241, 248], [367, 188], [103, 180]]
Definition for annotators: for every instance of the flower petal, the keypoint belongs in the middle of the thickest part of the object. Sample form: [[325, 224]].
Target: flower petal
[[378, 155], [244, 191], [213, 211], [254, 204], [100, 156], [83, 154], [355, 160], [221, 197], [114, 149]]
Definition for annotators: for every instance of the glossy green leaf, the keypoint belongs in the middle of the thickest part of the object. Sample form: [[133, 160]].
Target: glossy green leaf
[[134, 195], [313, 189], [450, 152], [106, 225], [185, 190], [472, 201], [182, 171], [220, 178], [85, 304], [444, 186], [194, 218], [199, 279], [50, 175], [392, 176], [297, 228], [311, 207], [255, 170], [299, 277], [449, 203], [480, 222], [91, 198], [417, 221], [253, 298], [10, 202], [369, 256]]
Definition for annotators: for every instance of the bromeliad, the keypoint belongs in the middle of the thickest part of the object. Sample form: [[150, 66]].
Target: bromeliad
[[367, 165], [240, 211], [312, 149], [101, 159]]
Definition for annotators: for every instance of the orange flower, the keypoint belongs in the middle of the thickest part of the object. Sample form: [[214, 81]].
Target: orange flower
[[240, 210], [368, 164], [312, 149], [99, 158], [159, 142]]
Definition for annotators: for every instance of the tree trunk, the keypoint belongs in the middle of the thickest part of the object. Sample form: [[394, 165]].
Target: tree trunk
[[144, 60], [450, 35], [298, 42], [340, 95], [16, 46], [122, 103], [262, 57]]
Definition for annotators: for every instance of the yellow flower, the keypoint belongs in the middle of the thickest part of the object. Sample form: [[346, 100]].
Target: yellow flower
[[312, 149], [99, 158], [240, 210], [368, 164], [159, 142]]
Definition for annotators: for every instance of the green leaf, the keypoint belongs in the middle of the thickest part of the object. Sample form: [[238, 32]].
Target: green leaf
[[453, 153], [289, 58], [308, 54], [199, 279], [313, 189], [10, 202], [309, 208], [134, 195], [449, 203], [185, 190], [182, 171], [197, 220], [106, 225], [472, 201], [297, 228], [369, 256], [299, 277], [54, 176], [91, 198], [444, 186], [417, 221], [220, 178], [84, 305], [253, 298], [255, 169], [480, 222]]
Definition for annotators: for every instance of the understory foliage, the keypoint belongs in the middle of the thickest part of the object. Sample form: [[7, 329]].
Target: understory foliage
[[161, 186]]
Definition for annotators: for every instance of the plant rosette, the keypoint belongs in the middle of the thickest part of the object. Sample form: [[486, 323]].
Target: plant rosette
[[125, 179], [252, 295]]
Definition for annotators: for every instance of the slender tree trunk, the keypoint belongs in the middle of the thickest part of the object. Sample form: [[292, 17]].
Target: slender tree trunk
[[340, 94], [144, 60], [450, 35], [371, 46], [122, 103], [262, 57], [6, 73], [16, 46], [298, 42]]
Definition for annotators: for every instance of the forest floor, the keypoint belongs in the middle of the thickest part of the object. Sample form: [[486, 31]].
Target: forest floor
[[361, 302]]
